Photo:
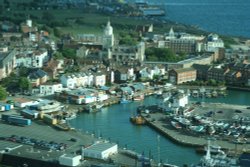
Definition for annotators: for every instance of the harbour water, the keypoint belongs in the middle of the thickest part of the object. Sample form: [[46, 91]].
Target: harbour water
[[228, 17], [113, 124]]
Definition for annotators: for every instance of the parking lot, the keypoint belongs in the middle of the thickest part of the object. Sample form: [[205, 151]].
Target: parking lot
[[226, 112], [42, 136]]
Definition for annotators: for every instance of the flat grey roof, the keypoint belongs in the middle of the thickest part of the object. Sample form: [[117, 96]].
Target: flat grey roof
[[100, 146]]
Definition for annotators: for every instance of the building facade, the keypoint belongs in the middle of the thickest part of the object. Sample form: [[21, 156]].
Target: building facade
[[178, 76], [7, 63]]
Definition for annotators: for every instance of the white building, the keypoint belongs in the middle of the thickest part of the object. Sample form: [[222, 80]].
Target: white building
[[31, 58], [100, 150], [23, 102], [39, 58], [108, 37], [87, 100], [213, 43], [7, 63], [82, 80], [72, 81], [180, 100], [99, 79], [147, 72], [102, 97], [50, 89], [32, 37], [70, 160], [68, 81]]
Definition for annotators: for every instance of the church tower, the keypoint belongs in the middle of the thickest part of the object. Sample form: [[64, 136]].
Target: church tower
[[108, 36], [171, 33]]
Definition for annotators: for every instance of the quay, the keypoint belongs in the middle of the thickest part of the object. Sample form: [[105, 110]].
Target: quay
[[175, 136], [161, 122], [19, 153]]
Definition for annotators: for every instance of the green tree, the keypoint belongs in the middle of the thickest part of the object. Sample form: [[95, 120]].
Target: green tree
[[212, 82], [69, 53], [47, 16], [127, 40], [57, 32], [162, 54], [23, 71], [24, 83], [58, 55], [3, 93]]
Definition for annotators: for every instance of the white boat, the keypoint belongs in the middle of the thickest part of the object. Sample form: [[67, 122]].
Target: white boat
[[168, 165], [219, 160], [139, 97], [176, 125], [199, 128], [99, 106], [166, 96], [182, 120], [158, 92], [71, 116]]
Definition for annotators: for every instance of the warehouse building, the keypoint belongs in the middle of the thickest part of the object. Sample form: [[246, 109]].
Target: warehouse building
[[70, 160], [100, 150]]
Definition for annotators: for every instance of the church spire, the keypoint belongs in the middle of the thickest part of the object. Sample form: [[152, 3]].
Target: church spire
[[171, 33]]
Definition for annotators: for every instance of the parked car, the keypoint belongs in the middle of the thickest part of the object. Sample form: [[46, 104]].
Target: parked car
[[238, 111], [73, 139]]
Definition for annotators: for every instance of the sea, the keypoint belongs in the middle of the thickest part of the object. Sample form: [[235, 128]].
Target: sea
[[226, 17]]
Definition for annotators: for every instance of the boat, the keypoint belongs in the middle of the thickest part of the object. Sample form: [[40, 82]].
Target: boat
[[219, 160], [208, 94], [214, 149], [199, 128], [182, 121], [125, 101], [166, 96], [214, 94], [137, 120], [92, 108], [152, 11], [211, 129], [98, 106], [139, 97], [168, 165], [176, 125], [71, 116], [158, 93], [195, 93]]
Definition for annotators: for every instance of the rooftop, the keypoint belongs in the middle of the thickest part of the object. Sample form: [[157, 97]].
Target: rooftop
[[100, 146], [184, 70]]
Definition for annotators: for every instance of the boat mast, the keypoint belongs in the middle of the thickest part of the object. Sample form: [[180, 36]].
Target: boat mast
[[158, 149]]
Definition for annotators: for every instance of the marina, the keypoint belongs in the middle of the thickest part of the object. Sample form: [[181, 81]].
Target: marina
[[118, 114]]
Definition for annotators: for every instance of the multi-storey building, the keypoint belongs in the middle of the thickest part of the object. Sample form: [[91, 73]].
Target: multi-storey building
[[126, 53], [233, 77], [214, 43], [217, 74], [180, 42], [178, 76], [32, 58], [50, 88], [7, 62]]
